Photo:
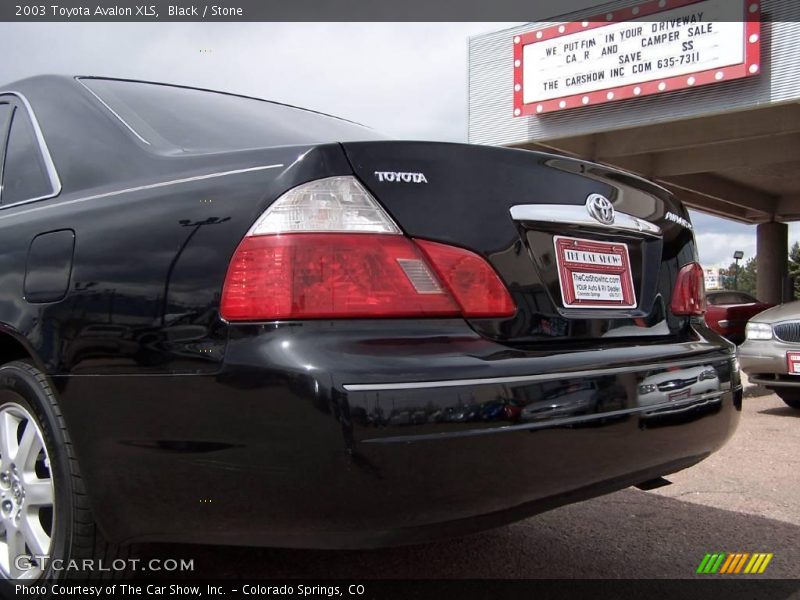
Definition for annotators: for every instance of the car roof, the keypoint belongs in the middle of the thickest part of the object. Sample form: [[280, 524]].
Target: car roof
[[37, 79], [70, 116]]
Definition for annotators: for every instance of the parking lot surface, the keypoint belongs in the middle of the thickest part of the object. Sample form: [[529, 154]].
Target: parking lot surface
[[745, 498]]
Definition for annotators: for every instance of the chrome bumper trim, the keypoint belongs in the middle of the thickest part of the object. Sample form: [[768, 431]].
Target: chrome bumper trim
[[417, 385]]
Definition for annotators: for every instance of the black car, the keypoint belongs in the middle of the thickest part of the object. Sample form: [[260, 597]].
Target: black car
[[231, 321]]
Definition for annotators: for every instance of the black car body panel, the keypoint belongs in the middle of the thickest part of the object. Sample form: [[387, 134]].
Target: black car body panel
[[339, 433], [469, 185]]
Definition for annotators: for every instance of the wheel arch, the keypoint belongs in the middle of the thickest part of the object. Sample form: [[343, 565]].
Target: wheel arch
[[14, 346]]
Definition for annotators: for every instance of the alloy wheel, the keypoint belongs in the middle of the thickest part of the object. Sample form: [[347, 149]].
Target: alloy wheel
[[27, 495]]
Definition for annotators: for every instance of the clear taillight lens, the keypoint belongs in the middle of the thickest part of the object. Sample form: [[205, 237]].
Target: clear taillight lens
[[327, 249], [335, 204], [689, 295]]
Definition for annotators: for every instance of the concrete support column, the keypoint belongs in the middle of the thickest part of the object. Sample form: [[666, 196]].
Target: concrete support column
[[772, 261]]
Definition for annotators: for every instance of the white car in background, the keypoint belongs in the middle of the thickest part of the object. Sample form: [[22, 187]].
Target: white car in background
[[771, 353], [678, 386]]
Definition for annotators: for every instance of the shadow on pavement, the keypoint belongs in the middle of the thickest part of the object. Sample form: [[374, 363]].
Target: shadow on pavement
[[781, 411], [630, 534]]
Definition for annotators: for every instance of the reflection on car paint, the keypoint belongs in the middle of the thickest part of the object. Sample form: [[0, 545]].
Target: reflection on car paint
[[664, 392]]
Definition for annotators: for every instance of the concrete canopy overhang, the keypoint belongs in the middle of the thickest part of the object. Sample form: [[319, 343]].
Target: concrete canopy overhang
[[742, 165]]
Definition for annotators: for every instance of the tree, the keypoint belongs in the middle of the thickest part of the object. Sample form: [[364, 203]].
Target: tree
[[726, 277], [794, 267], [747, 277], [745, 281]]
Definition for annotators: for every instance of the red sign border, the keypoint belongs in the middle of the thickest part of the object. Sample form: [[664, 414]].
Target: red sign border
[[750, 67], [564, 272]]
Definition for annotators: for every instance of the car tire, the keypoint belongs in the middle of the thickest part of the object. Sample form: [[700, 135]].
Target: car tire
[[791, 396], [61, 526]]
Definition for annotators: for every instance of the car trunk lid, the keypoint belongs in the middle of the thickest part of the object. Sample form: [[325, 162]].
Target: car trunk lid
[[545, 224]]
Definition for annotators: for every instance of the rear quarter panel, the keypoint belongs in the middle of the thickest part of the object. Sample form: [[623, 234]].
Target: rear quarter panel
[[153, 237]]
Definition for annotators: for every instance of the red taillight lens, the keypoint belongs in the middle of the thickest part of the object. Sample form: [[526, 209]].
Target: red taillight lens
[[345, 275], [689, 295], [331, 275], [470, 279], [327, 249]]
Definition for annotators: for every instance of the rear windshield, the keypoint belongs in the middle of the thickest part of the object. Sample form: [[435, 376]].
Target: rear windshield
[[198, 122]]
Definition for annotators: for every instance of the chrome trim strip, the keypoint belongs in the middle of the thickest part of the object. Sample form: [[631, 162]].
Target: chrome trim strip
[[4, 141], [135, 189], [422, 385], [649, 411], [113, 112], [578, 215], [50, 167]]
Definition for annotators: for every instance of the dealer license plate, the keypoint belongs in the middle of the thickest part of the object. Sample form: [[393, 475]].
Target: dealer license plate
[[682, 395], [793, 363], [594, 274]]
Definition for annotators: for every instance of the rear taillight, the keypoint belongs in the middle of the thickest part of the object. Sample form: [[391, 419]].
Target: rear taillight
[[321, 275], [689, 295], [470, 279], [326, 249]]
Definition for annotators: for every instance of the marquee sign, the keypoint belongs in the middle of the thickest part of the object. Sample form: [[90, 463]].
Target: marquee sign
[[652, 48]]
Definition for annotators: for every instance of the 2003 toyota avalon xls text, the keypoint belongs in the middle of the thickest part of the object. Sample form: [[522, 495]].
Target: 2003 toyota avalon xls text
[[226, 320]]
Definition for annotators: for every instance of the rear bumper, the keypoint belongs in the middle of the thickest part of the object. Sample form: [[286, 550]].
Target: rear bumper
[[360, 439]]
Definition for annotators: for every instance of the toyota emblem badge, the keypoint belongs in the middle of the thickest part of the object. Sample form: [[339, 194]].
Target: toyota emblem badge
[[600, 208]]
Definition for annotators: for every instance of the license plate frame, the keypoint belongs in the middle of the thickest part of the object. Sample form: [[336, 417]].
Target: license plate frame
[[594, 274], [793, 363], [682, 395]]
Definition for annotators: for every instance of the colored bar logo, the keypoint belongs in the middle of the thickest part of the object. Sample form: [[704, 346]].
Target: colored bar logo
[[734, 563]]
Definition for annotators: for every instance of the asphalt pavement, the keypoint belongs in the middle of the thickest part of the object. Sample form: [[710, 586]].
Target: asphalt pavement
[[745, 498]]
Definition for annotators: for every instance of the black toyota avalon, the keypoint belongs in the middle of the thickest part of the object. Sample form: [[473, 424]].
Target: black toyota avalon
[[231, 321]]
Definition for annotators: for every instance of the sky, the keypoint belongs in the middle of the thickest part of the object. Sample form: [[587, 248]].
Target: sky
[[408, 80]]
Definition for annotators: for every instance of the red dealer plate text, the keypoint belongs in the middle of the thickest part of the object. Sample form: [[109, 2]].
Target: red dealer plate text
[[594, 274]]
